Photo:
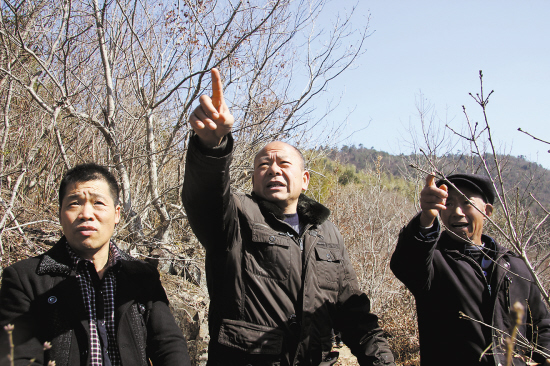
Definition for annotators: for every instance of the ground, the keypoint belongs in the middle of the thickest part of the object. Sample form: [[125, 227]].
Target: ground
[[346, 358]]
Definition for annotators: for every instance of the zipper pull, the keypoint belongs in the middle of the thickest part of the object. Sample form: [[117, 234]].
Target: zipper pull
[[291, 236]]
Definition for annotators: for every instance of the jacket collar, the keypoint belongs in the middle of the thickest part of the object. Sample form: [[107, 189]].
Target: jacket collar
[[58, 261], [448, 243], [309, 210]]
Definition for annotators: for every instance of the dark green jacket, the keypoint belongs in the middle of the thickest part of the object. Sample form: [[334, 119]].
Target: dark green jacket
[[271, 302]]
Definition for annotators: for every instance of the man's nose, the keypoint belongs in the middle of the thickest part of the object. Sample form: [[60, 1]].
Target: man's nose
[[87, 211], [458, 211], [274, 169]]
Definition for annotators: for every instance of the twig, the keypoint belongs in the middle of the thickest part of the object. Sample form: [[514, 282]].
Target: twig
[[511, 341], [520, 338], [534, 137], [30, 223], [9, 329], [540, 204]]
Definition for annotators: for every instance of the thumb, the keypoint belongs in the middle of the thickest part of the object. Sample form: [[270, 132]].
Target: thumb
[[430, 180]]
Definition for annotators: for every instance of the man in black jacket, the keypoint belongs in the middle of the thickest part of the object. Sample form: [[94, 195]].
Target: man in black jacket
[[95, 304], [278, 273], [464, 283]]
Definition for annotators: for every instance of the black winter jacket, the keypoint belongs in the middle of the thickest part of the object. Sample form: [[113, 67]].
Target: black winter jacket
[[463, 315], [271, 303], [41, 297]]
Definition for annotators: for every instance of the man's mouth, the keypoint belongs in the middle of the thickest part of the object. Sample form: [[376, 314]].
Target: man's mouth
[[460, 225], [86, 230], [275, 184]]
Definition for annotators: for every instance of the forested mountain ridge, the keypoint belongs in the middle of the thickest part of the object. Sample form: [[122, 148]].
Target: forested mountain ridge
[[518, 173]]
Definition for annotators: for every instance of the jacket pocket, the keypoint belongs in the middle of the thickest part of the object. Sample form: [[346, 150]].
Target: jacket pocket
[[328, 266], [251, 338], [269, 254]]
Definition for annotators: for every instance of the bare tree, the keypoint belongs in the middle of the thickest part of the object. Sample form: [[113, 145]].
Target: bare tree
[[114, 82], [520, 220], [520, 224]]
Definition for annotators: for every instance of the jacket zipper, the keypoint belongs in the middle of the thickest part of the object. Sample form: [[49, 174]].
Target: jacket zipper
[[477, 266], [300, 242], [304, 266], [508, 282]]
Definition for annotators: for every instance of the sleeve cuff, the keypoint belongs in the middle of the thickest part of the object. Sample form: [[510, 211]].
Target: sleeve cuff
[[223, 149], [425, 233]]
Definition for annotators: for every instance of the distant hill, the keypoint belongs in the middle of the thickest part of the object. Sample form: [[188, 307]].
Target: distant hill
[[520, 176]]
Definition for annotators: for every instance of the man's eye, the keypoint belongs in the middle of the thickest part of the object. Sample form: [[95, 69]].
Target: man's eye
[[100, 203]]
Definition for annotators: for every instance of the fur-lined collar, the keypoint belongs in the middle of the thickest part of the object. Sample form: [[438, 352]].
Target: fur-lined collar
[[58, 261], [309, 210]]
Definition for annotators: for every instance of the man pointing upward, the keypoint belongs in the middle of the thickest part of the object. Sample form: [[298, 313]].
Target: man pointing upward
[[279, 276], [464, 282]]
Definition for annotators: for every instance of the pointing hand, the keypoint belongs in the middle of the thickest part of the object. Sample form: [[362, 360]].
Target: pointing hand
[[212, 120], [432, 200]]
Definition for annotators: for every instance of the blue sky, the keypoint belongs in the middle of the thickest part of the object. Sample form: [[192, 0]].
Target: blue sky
[[437, 48]]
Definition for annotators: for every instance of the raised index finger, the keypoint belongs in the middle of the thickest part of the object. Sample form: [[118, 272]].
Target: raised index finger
[[217, 88]]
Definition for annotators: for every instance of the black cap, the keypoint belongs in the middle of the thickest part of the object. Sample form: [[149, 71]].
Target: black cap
[[479, 183]]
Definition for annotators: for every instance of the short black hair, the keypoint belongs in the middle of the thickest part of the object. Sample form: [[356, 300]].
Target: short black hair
[[85, 173]]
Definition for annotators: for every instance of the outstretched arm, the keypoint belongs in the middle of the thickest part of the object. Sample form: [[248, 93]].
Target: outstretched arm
[[412, 260], [206, 190]]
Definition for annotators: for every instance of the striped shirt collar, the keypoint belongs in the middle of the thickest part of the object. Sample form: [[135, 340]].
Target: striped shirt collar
[[103, 345], [114, 256]]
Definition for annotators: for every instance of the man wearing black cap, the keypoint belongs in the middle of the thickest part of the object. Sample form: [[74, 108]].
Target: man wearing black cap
[[465, 284]]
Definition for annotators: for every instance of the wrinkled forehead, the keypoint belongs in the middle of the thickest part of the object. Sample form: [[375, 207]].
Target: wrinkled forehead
[[279, 150], [95, 188]]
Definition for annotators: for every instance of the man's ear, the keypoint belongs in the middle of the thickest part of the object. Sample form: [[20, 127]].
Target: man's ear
[[117, 214], [305, 180], [488, 209]]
